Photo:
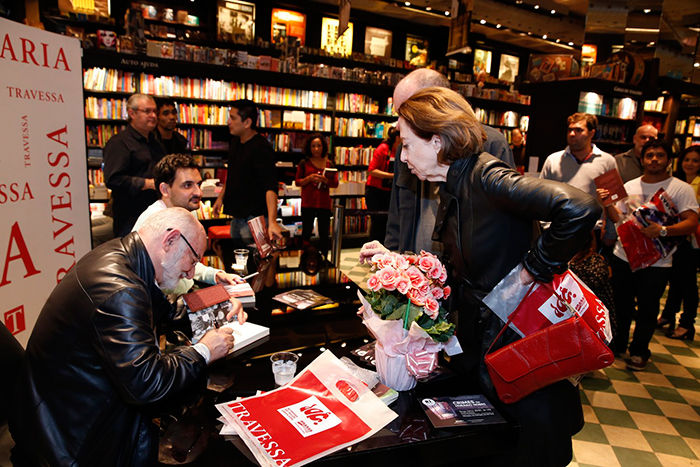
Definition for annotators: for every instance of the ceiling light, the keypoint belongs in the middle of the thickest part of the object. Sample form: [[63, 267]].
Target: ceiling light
[[571, 44], [518, 2], [652, 43], [649, 30], [483, 21], [647, 10], [529, 33], [428, 8], [447, 13], [553, 11], [407, 3], [696, 65], [544, 37], [537, 7], [558, 41], [498, 26]]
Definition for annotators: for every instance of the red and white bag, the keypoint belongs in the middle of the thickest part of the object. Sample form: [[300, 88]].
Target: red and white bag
[[322, 410], [542, 308]]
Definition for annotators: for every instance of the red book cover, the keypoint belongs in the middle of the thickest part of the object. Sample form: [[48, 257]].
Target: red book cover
[[258, 227], [612, 182]]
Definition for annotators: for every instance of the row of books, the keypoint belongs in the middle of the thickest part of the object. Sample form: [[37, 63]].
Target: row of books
[[613, 132], [110, 80], [286, 142], [356, 224], [213, 261], [290, 207], [355, 203], [352, 176], [351, 102], [472, 90], [597, 104], [96, 177], [353, 156], [206, 212], [690, 126], [105, 108], [655, 105], [299, 120], [497, 117], [201, 138], [202, 114], [358, 127], [98, 135], [682, 142]]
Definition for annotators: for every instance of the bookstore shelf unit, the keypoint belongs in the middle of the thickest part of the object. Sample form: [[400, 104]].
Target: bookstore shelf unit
[[314, 104], [619, 108]]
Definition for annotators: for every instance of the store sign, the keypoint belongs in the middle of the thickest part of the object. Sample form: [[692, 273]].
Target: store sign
[[288, 23], [45, 225]]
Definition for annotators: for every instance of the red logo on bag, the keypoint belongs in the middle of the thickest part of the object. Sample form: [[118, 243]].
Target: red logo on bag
[[14, 320], [347, 390], [314, 414]]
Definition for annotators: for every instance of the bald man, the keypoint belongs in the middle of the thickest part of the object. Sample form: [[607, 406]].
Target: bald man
[[629, 163], [414, 203], [93, 368]]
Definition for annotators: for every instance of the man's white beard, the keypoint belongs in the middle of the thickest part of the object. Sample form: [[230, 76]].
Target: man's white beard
[[171, 276]]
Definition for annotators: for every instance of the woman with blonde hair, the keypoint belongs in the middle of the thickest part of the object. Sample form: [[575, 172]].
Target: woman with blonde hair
[[487, 222]]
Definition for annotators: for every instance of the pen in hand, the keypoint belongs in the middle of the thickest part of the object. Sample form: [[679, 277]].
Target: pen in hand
[[249, 276]]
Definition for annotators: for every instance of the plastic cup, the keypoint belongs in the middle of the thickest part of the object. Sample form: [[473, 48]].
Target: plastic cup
[[241, 256], [284, 366]]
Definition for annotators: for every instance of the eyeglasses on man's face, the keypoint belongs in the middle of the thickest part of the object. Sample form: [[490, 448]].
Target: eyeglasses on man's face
[[194, 253]]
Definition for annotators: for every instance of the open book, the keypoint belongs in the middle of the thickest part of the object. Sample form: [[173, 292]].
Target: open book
[[247, 334]]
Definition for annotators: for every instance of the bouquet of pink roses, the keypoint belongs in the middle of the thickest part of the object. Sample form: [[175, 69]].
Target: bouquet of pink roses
[[402, 310]]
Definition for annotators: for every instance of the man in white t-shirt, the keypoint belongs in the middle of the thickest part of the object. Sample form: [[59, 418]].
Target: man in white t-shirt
[[647, 285], [178, 181]]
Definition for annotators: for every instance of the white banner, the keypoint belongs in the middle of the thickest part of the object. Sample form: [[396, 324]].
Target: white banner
[[45, 226]]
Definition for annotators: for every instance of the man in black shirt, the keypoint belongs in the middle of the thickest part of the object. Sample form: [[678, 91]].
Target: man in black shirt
[[129, 159], [251, 182], [172, 141]]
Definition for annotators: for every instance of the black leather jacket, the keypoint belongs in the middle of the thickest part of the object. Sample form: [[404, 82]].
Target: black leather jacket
[[93, 368], [487, 222]]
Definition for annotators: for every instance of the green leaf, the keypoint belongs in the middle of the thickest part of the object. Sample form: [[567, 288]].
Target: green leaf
[[396, 313]]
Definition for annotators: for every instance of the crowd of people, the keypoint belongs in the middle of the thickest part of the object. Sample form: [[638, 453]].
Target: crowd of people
[[441, 182]]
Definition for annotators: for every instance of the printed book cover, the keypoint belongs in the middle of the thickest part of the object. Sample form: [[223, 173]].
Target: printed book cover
[[446, 412]]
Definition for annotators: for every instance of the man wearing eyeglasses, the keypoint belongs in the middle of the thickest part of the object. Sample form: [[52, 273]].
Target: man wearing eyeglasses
[[93, 371], [129, 159], [168, 136]]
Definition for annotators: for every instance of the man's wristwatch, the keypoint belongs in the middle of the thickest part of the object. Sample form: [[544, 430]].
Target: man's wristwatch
[[663, 232]]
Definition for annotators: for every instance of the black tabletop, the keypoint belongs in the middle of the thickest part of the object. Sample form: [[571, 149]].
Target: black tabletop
[[189, 425]]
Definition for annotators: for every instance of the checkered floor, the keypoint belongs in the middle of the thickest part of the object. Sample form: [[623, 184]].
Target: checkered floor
[[635, 419]]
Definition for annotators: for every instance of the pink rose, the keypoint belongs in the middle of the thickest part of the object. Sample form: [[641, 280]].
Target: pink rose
[[417, 298], [443, 275], [387, 277], [435, 271], [401, 262], [373, 283], [447, 290], [425, 263], [417, 277], [431, 307], [437, 293], [425, 289], [403, 283]]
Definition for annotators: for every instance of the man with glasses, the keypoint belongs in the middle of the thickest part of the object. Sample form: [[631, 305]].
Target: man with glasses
[[93, 372], [168, 136], [129, 158]]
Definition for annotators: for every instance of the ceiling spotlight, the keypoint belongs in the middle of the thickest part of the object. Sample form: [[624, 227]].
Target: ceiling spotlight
[[537, 7], [483, 21], [447, 13], [553, 11], [647, 10], [544, 37], [407, 3], [558, 41], [498, 26], [571, 44], [696, 64], [428, 8], [518, 2], [652, 43], [529, 33]]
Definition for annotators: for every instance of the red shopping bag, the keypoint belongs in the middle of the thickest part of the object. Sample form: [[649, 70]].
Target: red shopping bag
[[543, 307]]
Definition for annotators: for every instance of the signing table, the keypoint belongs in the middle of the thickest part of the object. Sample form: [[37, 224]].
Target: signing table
[[189, 425]]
